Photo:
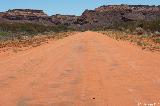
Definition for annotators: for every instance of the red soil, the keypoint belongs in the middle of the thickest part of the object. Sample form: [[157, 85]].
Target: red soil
[[86, 69]]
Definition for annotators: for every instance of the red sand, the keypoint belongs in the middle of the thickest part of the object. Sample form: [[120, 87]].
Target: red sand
[[86, 69]]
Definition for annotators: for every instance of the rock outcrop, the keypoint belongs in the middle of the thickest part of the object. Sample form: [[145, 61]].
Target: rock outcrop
[[108, 15], [64, 19], [36, 16], [100, 17], [24, 14], [2, 14], [133, 12]]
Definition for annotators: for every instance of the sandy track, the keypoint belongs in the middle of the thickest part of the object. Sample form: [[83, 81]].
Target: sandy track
[[86, 69]]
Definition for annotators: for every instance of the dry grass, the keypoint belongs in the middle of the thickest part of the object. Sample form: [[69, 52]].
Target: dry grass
[[146, 42], [33, 42]]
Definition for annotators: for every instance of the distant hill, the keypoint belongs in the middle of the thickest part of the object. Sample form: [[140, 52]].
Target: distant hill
[[104, 16]]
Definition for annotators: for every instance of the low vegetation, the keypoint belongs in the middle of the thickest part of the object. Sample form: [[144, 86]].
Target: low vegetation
[[13, 31], [139, 26], [28, 35], [142, 33], [145, 41], [20, 44]]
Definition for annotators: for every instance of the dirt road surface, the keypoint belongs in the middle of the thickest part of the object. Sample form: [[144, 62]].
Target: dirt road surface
[[86, 69]]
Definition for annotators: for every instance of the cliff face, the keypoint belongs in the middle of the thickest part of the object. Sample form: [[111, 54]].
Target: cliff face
[[137, 8], [100, 17], [133, 12], [64, 19], [108, 15], [2, 14], [36, 16], [24, 14]]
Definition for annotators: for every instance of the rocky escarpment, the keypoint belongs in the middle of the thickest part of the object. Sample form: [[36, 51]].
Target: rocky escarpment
[[104, 16], [2, 14], [108, 15], [133, 12], [64, 19], [36, 16], [24, 14]]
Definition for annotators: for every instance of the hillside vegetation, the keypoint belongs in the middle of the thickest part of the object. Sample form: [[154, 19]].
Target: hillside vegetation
[[21, 30]]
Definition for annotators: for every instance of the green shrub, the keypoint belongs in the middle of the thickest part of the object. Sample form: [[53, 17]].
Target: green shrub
[[132, 26], [18, 30], [156, 40], [3, 33], [151, 25], [139, 31], [141, 43], [31, 28]]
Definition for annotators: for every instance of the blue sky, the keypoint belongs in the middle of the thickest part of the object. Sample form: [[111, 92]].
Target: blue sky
[[75, 7]]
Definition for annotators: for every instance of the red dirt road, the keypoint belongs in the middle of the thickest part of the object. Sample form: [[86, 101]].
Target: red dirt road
[[86, 69]]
